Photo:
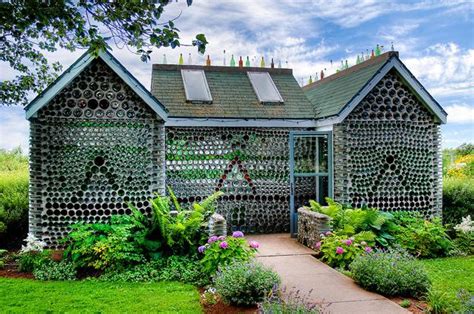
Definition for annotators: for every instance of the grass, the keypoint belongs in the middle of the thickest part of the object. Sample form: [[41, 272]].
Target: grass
[[449, 275], [25, 296]]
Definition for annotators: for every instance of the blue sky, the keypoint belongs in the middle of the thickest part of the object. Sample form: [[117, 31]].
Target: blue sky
[[435, 40]]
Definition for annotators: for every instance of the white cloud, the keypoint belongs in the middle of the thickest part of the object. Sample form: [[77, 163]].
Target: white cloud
[[460, 113]]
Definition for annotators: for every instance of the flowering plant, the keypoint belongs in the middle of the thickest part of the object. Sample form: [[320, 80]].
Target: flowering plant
[[33, 244], [466, 225], [340, 251], [464, 242], [220, 251]]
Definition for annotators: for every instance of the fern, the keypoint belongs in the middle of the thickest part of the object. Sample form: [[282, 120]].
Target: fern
[[209, 202], [173, 197]]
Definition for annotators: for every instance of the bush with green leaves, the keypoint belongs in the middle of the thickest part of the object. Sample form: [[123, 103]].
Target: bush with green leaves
[[52, 270], [220, 251], [464, 241], [339, 251], [391, 273], [29, 261], [421, 237], [458, 199], [245, 283], [13, 197], [347, 221], [288, 302], [174, 268], [2, 258]]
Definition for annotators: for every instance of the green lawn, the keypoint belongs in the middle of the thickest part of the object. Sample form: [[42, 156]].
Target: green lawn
[[23, 295], [451, 274]]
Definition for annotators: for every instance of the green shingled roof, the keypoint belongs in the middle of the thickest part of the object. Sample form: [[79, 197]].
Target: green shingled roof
[[330, 95], [232, 94]]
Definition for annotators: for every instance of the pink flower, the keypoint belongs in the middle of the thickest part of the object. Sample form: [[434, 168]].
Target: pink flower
[[238, 234], [368, 249], [317, 246], [347, 242], [221, 238], [212, 239], [328, 233], [224, 245], [339, 250], [254, 244]]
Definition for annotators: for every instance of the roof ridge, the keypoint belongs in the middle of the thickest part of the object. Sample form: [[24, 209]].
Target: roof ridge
[[217, 68], [379, 59]]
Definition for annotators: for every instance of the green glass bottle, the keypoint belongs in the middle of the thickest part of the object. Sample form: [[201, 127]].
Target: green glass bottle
[[232, 61], [247, 62], [180, 60], [262, 63]]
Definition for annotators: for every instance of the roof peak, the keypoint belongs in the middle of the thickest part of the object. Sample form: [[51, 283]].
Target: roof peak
[[214, 68], [375, 60]]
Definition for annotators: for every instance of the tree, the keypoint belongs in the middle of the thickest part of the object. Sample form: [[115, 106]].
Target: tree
[[28, 28]]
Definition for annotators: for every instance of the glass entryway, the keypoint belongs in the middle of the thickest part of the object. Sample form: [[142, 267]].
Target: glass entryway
[[311, 172]]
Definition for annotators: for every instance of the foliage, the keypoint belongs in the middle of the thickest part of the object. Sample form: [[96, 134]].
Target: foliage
[[347, 221], [209, 296], [174, 268], [52, 270], [221, 251], [29, 261], [449, 275], [2, 258], [13, 197], [113, 245], [458, 199], [405, 303], [464, 241], [32, 244], [245, 283], [340, 251], [390, 273], [293, 302], [92, 296], [421, 237], [71, 25], [438, 303], [181, 230]]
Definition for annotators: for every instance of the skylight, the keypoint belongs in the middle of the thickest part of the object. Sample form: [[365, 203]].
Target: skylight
[[264, 87], [195, 86]]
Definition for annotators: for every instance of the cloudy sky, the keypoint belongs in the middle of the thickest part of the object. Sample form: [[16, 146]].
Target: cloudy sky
[[435, 40]]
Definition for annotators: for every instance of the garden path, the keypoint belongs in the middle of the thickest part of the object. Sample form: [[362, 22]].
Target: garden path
[[299, 270]]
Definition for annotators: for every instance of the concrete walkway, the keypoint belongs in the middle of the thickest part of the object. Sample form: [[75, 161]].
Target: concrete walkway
[[301, 271]]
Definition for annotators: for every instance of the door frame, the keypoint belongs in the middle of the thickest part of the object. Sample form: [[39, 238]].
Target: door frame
[[329, 174]]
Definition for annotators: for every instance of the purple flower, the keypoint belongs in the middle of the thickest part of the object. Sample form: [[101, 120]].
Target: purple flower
[[339, 250], [238, 234], [212, 239], [368, 249], [221, 238], [317, 246], [254, 244], [347, 242], [223, 245], [201, 249]]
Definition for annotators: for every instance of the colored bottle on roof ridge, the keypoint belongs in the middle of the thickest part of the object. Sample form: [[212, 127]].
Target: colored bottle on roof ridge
[[372, 55], [190, 59], [164, 59], [346, 66], [322, 74], [310, 79], [208, 60], [180, 60], [232, 61], [262, 63], [272, 65], [247, 62], [377, 50]]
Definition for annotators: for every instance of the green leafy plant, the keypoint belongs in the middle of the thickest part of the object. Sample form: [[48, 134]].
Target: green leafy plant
[[464, 241], [391, 272], [405, 303], [2, 258], [438, 302], [458, 199], [421, 237], [29, 261], [347, 221], [221, 251], [339, 251], [181, 230], [245, 283], [52, 270], [293, 302]]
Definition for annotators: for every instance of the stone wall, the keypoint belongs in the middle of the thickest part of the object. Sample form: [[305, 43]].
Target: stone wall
[[387, 152], [93, 148], [311, 225]]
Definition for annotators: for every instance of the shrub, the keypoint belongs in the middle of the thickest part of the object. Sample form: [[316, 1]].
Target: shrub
[[340, 251], [29, 261], [220, 251], [288, 303], [438, 302], [13, 197], [245, 283], [458, 199], [464, 241], [348, 221], [421, 237], [2, 258], [51, 270], [390, 273], [175, 268]]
